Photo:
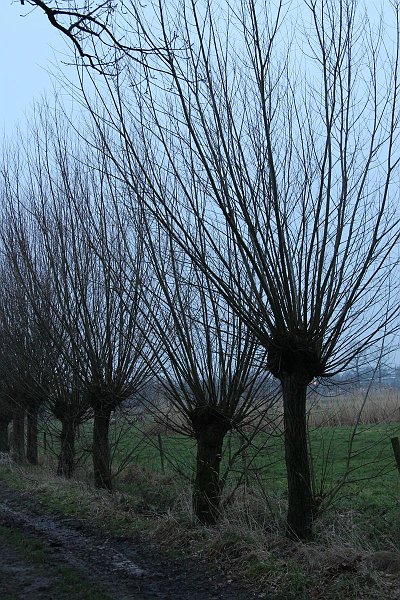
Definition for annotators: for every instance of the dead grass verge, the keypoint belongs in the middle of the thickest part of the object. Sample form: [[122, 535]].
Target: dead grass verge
[[249, 542]]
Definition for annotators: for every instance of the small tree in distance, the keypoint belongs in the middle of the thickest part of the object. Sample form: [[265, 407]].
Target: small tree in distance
[[27, 358], [6, 411]]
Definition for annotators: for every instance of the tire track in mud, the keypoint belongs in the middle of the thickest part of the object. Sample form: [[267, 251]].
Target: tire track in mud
[[96, 560], [125, 569], [75, 545]]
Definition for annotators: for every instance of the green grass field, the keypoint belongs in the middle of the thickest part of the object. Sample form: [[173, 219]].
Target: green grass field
[[352, 468], [153, 481]]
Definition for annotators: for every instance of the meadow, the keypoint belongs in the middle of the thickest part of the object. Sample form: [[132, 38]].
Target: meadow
[[355, 478], [350, 445]]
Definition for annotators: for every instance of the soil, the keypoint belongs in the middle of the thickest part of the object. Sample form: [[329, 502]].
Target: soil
[[115, 568]]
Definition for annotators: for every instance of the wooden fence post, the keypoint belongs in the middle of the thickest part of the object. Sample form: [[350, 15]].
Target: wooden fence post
[[396, 450], [161, 451]]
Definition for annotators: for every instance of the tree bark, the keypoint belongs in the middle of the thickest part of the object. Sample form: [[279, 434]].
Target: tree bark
[[66, 458], [300, 498], [32, 435], [101, 449], [210, 429], [18, 435], [4, 443]]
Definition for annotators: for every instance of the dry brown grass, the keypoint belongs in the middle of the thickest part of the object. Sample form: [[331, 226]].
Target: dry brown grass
[[249, 541], [378, 406], [356, 407]]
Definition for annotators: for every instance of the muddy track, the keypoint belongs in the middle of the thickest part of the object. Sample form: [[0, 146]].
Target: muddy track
[[120, 568]]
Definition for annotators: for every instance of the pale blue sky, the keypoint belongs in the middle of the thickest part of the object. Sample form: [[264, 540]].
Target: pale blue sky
[[29, 49]]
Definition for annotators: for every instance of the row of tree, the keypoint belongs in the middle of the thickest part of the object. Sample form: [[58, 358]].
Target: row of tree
[[252, 158], [96, 304]]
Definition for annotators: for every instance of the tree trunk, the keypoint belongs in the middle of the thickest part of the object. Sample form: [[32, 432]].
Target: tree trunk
[[210, 429], [4, 444], [101, 449], [300, 499], [18, 435], [66, 459], [32, 435]]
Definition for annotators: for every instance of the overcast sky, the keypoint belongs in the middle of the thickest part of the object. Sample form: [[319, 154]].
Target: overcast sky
[[30, 49]]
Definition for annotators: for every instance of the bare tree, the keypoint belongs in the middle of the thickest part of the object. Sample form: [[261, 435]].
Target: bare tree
[[294, 148], [80, 23], [214, 376], [5, 419], [69, 404], [33, 347], [13, 406], [103, 32], [73, 233], [27, 359]]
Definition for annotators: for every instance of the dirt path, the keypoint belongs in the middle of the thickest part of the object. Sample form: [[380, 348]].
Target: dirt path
[[60, 558]]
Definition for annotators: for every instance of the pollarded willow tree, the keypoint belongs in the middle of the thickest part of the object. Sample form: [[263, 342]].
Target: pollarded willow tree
[[294, 147], [27, 358], [211, 369], [59, 219], [6, 413], [70, 405]]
